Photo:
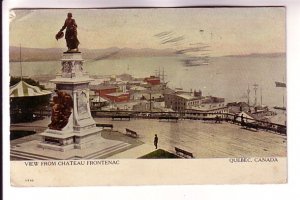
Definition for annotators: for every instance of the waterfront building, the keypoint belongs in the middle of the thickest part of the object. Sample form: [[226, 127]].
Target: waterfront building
[[120, 106], [135, 82], [144, 105], [180, 102], [152, 80], [210, 107], [118, 96], [136, 92], [210, 102], [237, 107], [103, 90], [261, 113]]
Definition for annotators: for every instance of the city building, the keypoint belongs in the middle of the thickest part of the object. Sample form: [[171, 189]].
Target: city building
[[237, 107], [180, 102], [136, 92], [210, 107], [152, 80], [211, 103], [261, 113], [118, 96], [144, 106], [103, 90]]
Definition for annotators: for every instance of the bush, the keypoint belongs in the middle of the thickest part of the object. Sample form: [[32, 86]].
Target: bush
[[159, 154]]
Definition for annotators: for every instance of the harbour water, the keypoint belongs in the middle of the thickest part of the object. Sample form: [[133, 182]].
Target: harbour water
[[226, 77]]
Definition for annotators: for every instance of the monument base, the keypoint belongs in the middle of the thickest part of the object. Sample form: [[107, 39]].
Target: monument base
[[72, 126], [64, 140], [100, 148]]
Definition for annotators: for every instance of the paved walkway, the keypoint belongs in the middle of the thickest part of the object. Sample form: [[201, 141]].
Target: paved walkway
[[204, 140], [135, 152]]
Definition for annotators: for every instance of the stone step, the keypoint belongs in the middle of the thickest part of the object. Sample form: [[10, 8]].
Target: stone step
[[115, 150], [32, 155], [27, 156], [106, 151]]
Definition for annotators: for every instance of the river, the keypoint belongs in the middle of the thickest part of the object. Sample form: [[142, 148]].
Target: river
[[226, 77]]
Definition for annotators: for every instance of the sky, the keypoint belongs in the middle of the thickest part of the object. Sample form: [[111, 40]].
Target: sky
[[224, 31]]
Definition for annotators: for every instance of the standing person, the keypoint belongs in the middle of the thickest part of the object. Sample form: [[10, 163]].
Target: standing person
[[71, 33], [155, 141], [242, 120]]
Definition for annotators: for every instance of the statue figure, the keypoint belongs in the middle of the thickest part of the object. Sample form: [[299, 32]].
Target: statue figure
[[71, 34]]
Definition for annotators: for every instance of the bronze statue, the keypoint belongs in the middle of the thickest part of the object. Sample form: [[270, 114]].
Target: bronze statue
[[71, 34], [61, 110]]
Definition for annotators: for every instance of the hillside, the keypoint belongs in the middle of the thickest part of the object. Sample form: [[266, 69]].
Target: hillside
[[269, 55], [35, 54]]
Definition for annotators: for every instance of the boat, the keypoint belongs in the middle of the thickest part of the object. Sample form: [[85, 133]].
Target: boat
[[279, 108]]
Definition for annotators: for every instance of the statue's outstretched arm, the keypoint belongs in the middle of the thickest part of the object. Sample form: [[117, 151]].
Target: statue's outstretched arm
[[64, 26], [75, 23]]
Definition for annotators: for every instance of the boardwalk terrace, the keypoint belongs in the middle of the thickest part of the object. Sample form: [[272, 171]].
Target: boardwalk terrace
[[203, 139]]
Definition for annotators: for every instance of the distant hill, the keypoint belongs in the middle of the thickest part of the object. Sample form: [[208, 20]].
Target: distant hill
[[270, 55], [36, 54]]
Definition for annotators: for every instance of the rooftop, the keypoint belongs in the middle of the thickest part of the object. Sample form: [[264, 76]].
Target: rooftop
[[116, 94], [186, 96], [137, 88], [102, 87]]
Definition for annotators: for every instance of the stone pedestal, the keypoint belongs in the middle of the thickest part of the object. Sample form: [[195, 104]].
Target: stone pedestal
[[80, 130]]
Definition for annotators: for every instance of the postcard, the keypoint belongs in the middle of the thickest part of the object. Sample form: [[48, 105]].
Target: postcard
[[147, 96]]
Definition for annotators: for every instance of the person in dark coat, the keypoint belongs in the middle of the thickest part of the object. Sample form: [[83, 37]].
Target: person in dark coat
[[155, 141], [242, 120]]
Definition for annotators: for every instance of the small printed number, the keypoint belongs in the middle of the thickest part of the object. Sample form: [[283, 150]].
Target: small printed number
[[29, 180]]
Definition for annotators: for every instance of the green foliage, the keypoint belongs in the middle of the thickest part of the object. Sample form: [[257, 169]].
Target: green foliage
[[15, 79], [159, 154]]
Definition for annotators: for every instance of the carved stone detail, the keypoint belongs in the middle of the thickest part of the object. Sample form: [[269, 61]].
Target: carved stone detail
[[78, 66], [72, 67], [82, 104], [66, 67]]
